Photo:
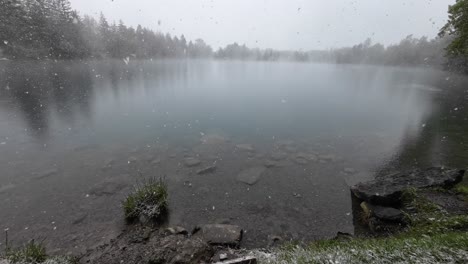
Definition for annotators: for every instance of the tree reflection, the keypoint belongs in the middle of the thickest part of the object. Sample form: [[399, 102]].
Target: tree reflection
[[443, 136], [39, 89]]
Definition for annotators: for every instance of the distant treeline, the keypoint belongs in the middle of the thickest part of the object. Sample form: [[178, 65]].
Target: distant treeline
[[51, 29], [39, 29]]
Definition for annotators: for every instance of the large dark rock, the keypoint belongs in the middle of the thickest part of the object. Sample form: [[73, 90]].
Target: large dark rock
[[387, 190], [217, 234]]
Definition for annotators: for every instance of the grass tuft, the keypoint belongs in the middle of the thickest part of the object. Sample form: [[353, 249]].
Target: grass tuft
[[32, 252], [149, 200]]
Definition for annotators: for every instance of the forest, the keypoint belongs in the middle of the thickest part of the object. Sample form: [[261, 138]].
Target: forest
[[51, 29]]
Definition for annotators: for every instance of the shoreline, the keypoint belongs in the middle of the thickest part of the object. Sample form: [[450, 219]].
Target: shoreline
[[428, 218]]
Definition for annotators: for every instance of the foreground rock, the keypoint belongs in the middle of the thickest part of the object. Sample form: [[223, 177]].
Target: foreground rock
[[243, 260], [387, 191], [146, 245], [383, 213], [251, 176], [218, 234]]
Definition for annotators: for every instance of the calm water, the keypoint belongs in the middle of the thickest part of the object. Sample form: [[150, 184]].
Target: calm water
[[75, 136]]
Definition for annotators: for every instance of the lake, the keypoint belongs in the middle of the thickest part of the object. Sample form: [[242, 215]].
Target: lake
[[76, 136]]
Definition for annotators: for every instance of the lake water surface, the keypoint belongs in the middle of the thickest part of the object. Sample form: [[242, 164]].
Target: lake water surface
[[75, 137]]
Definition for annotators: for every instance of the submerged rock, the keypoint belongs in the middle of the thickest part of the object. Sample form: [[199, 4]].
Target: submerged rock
[[327, 158], [206, 170], [251, 176], [270, 163], [387, 190], [156, 161], [191, 162], [4, 188], [107, 188], [213, 139], [218, 234], [46, 174], [349, 170], [277, 156], [245, 147], [301, 159]]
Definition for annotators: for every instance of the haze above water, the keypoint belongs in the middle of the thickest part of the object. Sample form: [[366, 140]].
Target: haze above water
[[75, 137]]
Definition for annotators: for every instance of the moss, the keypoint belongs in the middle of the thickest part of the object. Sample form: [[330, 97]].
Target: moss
[[461, 189], [149, 200], [32, 252], [428, 218]]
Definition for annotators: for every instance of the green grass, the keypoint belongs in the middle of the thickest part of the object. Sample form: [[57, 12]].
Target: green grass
[[461, 189], [32, 252], [149, 200], [433, 236], [441, 248]]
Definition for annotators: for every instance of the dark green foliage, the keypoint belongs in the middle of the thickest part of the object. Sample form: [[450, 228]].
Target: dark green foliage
[[149, 200], [457, 26], [51, 29]]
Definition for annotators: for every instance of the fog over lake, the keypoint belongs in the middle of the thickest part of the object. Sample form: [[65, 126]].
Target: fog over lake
[[284, 141]]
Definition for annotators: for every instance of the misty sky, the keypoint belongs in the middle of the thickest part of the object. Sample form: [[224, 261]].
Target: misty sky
[[279, 24]]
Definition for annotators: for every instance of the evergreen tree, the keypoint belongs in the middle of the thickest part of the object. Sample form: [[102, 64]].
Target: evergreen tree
[[457, 26]]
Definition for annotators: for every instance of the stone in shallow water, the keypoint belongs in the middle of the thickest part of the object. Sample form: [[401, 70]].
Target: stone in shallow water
[[270, 163], [328, 157], [213, 139], [107, 188], [46, 174], [251, 176], [209, 169], [300, 159], [4, 188], [278, 155], [387, 190], [245, 147], [191, 162], [349, 170], [217, 234], [156, 161]]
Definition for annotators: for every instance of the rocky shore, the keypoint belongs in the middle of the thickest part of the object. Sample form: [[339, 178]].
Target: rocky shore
[[426, 203]]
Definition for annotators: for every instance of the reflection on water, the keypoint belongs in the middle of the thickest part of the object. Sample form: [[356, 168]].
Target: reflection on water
[[76, 135]]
